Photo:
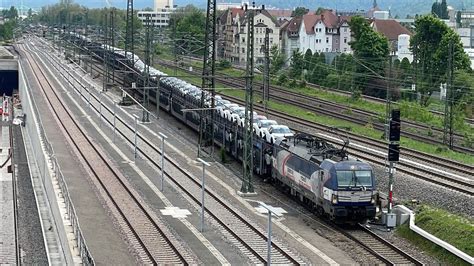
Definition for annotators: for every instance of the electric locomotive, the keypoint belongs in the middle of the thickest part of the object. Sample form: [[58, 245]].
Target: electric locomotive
[[325, 178]]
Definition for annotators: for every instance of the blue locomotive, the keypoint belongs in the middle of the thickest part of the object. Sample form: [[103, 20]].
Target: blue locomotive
[[325, 178]]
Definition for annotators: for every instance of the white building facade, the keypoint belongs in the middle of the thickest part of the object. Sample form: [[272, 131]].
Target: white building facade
[[160, 16]]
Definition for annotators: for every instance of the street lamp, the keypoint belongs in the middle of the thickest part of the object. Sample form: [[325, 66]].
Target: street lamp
[[270, 211], [135, 140], [204, 164], [163, 139]]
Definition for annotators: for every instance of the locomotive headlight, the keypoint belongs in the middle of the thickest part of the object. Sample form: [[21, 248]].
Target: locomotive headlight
[[334, 199], [373, 199]]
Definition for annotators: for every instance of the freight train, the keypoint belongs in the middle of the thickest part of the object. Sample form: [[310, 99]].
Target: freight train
[[317, 173]]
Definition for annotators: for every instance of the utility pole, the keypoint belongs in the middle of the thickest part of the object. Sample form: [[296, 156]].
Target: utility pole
[[112, 38], [105, 77], [266, 79], [448, 100], [206, 132], [388, 99], [146, 91], [247, 157], [129, 40]]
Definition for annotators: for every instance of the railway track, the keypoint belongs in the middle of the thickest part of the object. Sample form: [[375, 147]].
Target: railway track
[[153, 243], [338, 111], [429, 175], [418, 170], [341, 92], [379, 247], [244, 234]]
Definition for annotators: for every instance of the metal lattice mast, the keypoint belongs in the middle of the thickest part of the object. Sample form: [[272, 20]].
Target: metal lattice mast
[[247, 186], [206, 132], [105, 78], [266, 72], [112, 38], [129, 48], [146, 83], [448, 100]]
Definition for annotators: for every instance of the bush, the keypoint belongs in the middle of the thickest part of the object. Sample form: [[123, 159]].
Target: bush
[[293, 84], [302, 84], [223, 155], [282, 79], [224, 64]]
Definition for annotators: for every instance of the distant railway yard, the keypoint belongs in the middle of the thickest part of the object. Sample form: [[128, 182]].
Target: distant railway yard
[[151, 169]]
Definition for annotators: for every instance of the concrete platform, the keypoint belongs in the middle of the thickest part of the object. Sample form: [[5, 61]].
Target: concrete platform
[[104, 242], [7, 212]]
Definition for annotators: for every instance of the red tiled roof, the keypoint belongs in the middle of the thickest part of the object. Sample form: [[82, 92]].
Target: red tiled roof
[[389, 28], [294, 24], [280, 12], [329, 18], [309, 22], [236, 10]]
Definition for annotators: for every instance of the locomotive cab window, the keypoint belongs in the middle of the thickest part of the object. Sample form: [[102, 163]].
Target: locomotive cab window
[[360, 178]]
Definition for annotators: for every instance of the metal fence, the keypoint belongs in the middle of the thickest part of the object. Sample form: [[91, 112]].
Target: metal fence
[[50, 169]]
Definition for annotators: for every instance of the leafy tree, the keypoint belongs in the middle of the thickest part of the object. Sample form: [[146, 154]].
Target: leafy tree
[[277, 60], [189, 25], [430, 45], [319, 11], [370, 48], [6, 30], [296, 65], [299, 11], [458, 18], [440, 9], [307, 59]]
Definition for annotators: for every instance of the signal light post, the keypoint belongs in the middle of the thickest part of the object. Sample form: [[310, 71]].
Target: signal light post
[[393, 152]]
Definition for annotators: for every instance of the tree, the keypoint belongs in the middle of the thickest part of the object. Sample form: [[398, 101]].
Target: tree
[[440, 9], [458, 18], [370, 49], [189, 26], [296, 65], [430, 47], [320, 10], [307, 59], [277, 60], [299, 11]]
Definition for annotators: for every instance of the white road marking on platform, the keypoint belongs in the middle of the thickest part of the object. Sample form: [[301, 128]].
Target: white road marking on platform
[[155, 189], [175, 212]]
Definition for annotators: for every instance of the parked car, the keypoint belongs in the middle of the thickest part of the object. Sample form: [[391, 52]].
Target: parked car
[[277, 132], [261, 128]]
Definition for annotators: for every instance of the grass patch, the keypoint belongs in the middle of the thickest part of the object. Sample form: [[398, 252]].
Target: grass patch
[[366, 131], [454, 229]]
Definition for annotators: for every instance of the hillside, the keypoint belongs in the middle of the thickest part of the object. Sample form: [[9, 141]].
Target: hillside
[[398, 7]]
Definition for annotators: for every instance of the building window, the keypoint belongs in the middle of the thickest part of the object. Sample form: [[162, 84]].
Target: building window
[[243, 40], [345, 49], [345, 40], [345, 29], [243, 50], [327, 39], [327, 50]]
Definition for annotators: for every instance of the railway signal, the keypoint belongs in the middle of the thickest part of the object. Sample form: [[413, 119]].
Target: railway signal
[[394, 134], [393, 156]]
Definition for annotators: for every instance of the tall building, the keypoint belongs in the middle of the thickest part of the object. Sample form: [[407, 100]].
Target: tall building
[[160, 16], [161, 4]]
